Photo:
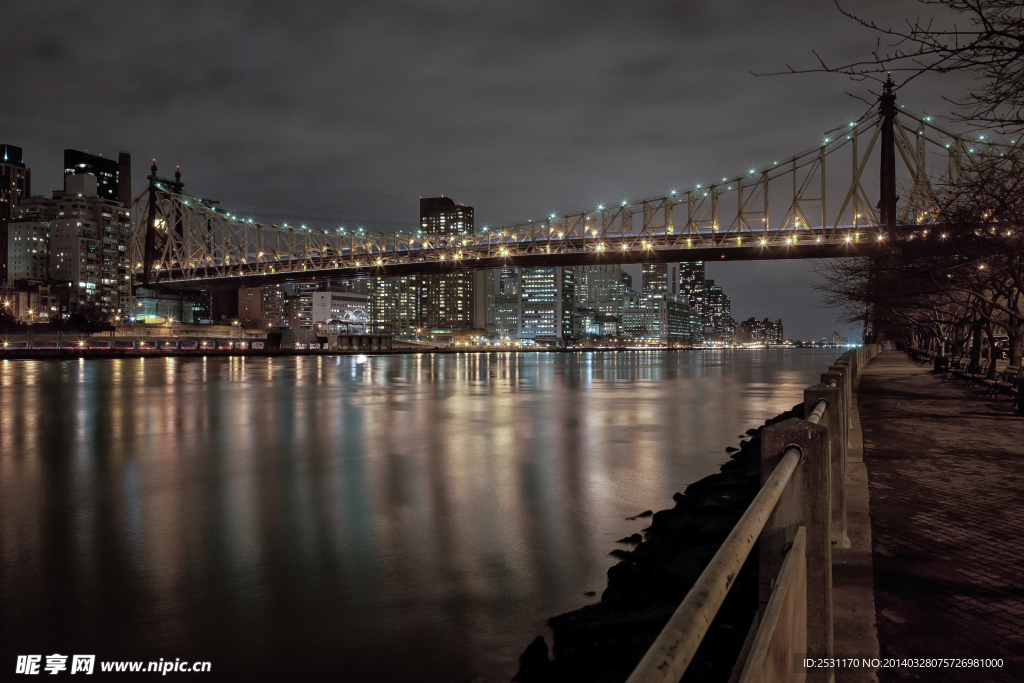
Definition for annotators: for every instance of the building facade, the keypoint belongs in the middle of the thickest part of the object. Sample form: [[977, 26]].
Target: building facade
[[262, 306], [507, 304], [600, 288], [395, 302], [113, 178], [691, 287], [662, 319], [753, 331], [655, 278], [335, 305], [88, 245], [303, 314], [716, 313], [547, 304], [15, 185], [28, 251], [459, 301]]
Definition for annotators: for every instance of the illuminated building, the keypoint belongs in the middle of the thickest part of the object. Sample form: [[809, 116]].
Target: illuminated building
[[507, 304], [453, 301], [654, 278], [262, 306], [28, 251], [548, 304], [600, 288], [15, 185], [88, 245], [113, 178]]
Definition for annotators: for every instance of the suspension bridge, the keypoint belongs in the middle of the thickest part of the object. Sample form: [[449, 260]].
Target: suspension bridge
[[180, 241]]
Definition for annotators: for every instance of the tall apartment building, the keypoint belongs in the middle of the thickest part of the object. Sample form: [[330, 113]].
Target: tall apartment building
[[113, 178], [291, 311], [304, 304], [548, 304], [395, 302], [716, 315], [15, 185], [691, 287], [262, 306], [655, 278], [28, 251], [507, 304], [600, 288], [453, 301], [88, 244]]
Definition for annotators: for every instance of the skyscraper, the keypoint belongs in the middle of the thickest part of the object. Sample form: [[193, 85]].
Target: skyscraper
[[113, 178], [717, 313], [457, 301], [507, 304], [15, 179], [600, 288], [15, 185], [395, 302], [548, 296], [691, 286], [655, 278]]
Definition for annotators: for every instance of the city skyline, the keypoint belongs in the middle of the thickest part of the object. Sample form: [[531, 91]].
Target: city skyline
[[537, 127], [702, 310]]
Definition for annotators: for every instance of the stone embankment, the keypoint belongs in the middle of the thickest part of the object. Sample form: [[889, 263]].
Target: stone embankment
[[603, 642]]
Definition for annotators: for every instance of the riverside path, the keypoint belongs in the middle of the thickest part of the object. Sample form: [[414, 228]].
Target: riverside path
[[946, 473]]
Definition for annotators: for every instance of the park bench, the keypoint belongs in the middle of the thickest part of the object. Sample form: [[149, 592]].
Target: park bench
[[1003, 383], [956, 368], [972, 378]]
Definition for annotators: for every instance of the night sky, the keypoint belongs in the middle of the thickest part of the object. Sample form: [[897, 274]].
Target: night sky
[[346, 113]]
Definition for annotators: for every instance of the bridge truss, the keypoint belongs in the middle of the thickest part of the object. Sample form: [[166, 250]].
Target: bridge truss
[[182, 241]]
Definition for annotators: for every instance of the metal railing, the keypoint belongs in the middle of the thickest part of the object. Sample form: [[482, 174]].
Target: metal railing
[[796, 518]]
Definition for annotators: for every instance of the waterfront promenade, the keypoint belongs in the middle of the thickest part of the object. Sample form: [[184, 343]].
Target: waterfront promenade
[[946, 472]]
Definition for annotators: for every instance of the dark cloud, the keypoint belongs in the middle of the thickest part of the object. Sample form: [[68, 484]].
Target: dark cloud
[[348, 112]]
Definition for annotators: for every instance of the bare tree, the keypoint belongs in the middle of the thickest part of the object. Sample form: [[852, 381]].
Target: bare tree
[[984, 38], [973, 282]]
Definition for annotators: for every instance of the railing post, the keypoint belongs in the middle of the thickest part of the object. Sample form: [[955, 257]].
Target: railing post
[[805, 502], [834, 420], [845, 367]]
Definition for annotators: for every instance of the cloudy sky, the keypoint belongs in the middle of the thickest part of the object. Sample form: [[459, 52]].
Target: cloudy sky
[[346, 113]]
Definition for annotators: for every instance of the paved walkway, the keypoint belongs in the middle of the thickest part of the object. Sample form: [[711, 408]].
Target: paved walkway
[[946, 472]]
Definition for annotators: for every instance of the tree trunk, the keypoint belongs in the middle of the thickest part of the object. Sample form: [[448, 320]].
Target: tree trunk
[[976, 335], [1016, 333], [991, 334]]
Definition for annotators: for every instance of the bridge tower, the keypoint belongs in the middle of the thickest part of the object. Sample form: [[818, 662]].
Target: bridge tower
[[887, 179], [150, 248], [886, 204]]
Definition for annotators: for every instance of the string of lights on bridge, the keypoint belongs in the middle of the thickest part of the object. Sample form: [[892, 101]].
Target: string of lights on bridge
[[250, 247], [700, 188]]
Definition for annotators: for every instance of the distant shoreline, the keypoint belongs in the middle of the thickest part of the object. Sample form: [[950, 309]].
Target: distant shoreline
[[95, 354]]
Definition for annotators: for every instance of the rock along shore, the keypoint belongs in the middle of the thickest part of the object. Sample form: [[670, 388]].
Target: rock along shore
[[603, 642]]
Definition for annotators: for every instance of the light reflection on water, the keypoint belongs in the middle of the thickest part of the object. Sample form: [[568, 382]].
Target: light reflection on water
[[408, 517]]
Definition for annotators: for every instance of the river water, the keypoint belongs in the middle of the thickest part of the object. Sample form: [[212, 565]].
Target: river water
[[367, 518]]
